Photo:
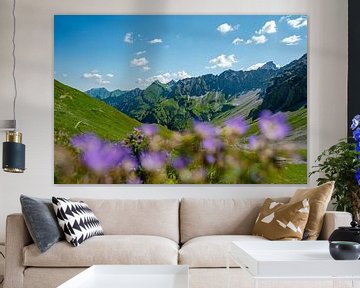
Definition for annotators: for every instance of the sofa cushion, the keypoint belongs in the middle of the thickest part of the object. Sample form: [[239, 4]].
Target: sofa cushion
[[279, 221], [319, 198], [107, 249], [211, 251], [158, 217], [76, 220], [201, 217], [41, 221]]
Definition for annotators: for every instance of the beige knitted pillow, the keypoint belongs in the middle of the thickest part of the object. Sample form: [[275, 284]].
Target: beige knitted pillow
[[279, 221]]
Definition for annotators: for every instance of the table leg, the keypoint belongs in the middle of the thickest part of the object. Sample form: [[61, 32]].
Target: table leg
[[255, 283], [228, 270]]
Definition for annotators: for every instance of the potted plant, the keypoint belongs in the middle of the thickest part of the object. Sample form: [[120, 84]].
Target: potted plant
[[341, 163]]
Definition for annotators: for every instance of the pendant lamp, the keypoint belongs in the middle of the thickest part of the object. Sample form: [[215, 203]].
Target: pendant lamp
[[13, 160]]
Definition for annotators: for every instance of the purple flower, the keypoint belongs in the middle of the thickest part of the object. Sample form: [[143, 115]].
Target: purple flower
[[254, 142], [134, 180], [355, 122], [86, 141], [149, 129], [357, 176], [205, 130], [274, 127], [237, 124], [180, 162], [211, 144], [99, 155], [356, 135], [153, 161], [130, 164], [210, 159]]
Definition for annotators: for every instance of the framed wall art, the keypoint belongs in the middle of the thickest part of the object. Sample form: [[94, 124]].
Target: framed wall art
[[180, 99]]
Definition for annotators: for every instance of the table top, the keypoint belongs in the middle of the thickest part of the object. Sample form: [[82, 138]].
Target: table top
[[291, 259], [131, 276]]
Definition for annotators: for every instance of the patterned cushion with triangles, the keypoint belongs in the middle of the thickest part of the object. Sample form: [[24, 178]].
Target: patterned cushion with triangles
[[77, 220]]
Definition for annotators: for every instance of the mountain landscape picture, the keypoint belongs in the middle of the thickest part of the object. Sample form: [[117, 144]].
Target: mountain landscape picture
[[180, 99]]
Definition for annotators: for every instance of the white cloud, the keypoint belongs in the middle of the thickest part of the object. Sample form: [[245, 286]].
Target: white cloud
[[255, 66], [95, 77], [256, 40], [259, 39], [139, 62], [237, 41], [128, 38], [140, 53], [268, 28], [146, 68], [164, 78], [222, 61], [297, 22], [291, 40], [156, 41], [92, 75], [225, 28], [110, 75]]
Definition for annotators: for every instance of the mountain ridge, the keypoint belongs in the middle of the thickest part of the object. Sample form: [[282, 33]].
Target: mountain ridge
[[206, 97]]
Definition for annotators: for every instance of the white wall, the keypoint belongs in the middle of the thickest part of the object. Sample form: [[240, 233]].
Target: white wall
[[327, 89]]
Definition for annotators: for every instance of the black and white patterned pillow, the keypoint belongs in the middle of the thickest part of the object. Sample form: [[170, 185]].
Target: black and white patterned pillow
[[77, 220]]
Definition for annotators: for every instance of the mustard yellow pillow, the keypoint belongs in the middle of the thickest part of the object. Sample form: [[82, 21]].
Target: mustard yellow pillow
[[279, 221], [319, 198]]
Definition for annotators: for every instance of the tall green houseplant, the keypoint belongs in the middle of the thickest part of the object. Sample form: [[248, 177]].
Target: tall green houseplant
[[341, 163]]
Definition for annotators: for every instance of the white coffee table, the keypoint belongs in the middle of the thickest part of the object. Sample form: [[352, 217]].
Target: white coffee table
[[292, 260], [131, 276]]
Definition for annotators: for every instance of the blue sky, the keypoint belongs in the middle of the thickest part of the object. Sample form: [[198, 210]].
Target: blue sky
[[129, 51]]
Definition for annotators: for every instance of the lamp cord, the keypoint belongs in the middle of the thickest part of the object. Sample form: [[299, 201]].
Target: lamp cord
[[14, 61]]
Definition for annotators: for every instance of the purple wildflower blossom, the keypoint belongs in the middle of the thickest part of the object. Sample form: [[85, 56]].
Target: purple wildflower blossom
[[237, 124], [357, 176], [254, 142], [274, 127], [86, 141], [356, 135], [180, 162], [355, 122], [149, 129], [211, 144], [135, 180], [99, 155], [210, 159], [205, 130], [153, 161]]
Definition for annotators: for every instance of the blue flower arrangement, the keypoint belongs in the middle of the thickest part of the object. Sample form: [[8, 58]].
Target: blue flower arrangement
[[341, 163], [355, 126]]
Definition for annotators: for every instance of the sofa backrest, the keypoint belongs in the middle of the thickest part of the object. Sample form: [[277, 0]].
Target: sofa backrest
[[200, 217], [159, 217]]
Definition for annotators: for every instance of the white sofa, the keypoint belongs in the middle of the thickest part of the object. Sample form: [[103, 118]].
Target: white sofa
[[194, 232]]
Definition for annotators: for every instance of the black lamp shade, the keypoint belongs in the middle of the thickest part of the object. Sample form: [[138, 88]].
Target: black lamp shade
[[13, 157]]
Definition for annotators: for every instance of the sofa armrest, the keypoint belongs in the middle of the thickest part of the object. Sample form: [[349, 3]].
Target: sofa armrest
[[333, 220], [17, 237]]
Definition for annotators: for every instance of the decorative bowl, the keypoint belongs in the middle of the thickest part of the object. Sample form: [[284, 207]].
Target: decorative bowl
[[344, 250]]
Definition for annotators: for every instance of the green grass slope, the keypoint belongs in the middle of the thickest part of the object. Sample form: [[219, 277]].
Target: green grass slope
[[76, 113]]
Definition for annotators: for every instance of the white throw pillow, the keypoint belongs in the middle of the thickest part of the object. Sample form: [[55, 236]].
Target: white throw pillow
[[76, 220]]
